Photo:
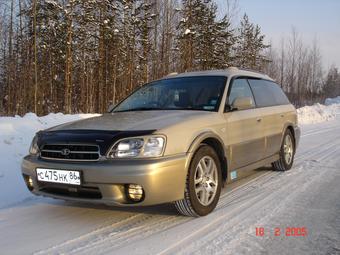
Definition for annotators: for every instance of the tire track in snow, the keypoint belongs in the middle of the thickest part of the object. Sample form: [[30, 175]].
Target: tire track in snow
[[214, 240], [118, 233], [111, 240], [86, 236], [141, 226], [326, 149], [234, 243]]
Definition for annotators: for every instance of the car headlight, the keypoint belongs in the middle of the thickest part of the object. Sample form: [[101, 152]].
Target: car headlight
[[142, 147], [34, 148]]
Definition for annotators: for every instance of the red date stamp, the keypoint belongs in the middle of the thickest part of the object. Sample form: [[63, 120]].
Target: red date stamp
[[288, 231]]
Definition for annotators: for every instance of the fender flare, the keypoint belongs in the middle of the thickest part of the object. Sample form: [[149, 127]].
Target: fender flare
[[286, 126], [196, 143]]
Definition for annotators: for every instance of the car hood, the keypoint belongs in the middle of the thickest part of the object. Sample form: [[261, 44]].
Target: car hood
[[132, 121]]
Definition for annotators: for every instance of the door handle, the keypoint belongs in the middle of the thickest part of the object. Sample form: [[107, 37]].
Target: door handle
[[259, 120]]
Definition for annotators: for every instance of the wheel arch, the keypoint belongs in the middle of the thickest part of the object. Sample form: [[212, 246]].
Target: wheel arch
[[217, 144], [290, 127]]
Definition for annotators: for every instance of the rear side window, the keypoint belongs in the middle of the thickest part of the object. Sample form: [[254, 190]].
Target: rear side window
[[267, 93]]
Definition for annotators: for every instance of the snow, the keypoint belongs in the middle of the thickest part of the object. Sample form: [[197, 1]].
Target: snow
[[306, 196], [16, 134], [184, 20], [187, 31], [319, 113]]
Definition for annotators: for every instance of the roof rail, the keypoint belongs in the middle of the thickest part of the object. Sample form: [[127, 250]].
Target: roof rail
[[233, 68], [172, 74], [251, 70]]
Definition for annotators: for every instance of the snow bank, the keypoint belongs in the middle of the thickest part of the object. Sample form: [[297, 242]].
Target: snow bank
[[319, 113], [16, 134]]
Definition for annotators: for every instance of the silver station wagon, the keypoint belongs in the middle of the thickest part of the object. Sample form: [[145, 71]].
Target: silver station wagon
[[178, 139]]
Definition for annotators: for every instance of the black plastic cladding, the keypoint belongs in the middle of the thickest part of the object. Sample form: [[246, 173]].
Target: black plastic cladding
[[103, 138]]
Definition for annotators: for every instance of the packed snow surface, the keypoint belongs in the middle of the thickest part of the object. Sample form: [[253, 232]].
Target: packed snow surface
[[306, 196]]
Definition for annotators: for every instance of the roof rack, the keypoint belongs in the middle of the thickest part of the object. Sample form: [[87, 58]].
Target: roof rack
[[171, 74], [250, 70], [233, 68]]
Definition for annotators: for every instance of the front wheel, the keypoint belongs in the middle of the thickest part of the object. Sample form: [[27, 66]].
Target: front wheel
[[203, 184], [287, 153]]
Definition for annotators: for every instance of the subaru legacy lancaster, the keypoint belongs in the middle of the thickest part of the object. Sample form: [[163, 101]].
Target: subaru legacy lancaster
[[178, 139]]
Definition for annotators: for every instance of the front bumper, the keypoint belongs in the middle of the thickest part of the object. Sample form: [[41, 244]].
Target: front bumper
[[163, 179]]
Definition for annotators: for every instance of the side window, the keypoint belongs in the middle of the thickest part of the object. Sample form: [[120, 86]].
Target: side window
[[267, 93], [240, 88], [279, 95]]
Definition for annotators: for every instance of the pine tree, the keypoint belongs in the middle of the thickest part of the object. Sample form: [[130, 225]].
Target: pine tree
[[77, 55], [332, 83], [203, 41], [250, 46]]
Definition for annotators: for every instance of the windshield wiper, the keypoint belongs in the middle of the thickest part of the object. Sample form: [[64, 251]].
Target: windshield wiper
[[162, 109]]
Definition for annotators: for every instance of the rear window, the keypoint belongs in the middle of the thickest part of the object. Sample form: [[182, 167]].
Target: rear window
[[267, 93]]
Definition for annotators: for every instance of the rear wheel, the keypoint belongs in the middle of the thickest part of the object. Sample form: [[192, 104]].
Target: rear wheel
[[287, 153], [203, 184]]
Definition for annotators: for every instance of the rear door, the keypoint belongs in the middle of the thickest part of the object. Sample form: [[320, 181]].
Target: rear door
[[245, 135], [270, 99]]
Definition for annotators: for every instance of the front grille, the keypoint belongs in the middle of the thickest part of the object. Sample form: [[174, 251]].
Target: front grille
[[76, 152]]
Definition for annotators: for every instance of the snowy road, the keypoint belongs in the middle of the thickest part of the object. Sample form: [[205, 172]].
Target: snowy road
[[307, 196]]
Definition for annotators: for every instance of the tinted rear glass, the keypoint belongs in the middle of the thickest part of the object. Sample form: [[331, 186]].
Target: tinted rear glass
[[267, 93]]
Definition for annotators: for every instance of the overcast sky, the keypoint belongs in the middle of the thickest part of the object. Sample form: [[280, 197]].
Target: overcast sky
[[318, 19]]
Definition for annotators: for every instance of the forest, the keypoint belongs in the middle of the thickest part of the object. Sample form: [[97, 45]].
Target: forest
[[77, 56]]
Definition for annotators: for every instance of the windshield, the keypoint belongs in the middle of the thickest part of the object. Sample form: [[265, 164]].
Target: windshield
[[188, 93]]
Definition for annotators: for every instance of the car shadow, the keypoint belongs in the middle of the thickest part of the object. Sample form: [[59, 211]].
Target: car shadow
[[162, 209]]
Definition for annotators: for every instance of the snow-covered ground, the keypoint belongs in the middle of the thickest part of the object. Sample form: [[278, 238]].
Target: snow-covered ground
[[307, 196], [16, 134]]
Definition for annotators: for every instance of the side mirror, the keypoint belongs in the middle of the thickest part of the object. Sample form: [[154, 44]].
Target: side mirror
[[110, 108], [242, 103]]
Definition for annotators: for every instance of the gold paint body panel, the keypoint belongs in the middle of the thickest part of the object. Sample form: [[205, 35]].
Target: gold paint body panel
[[250, 139]]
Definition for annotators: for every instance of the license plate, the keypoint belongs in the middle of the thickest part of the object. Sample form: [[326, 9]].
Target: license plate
[[58, 176]]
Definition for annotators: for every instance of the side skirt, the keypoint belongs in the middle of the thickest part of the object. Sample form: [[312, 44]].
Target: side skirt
[[236, 174]]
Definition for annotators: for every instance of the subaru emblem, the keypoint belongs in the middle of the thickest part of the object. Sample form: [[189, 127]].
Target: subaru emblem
[[65, 152]]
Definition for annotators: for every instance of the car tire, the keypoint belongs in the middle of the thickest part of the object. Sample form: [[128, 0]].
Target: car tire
[[287, 153], [203, 184]]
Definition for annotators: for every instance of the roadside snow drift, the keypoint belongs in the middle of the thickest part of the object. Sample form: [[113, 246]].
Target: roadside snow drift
[[319, 113], [16, 134]]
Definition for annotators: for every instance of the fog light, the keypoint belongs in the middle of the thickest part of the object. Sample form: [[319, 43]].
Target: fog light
[[135, 192], [29, 182]]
